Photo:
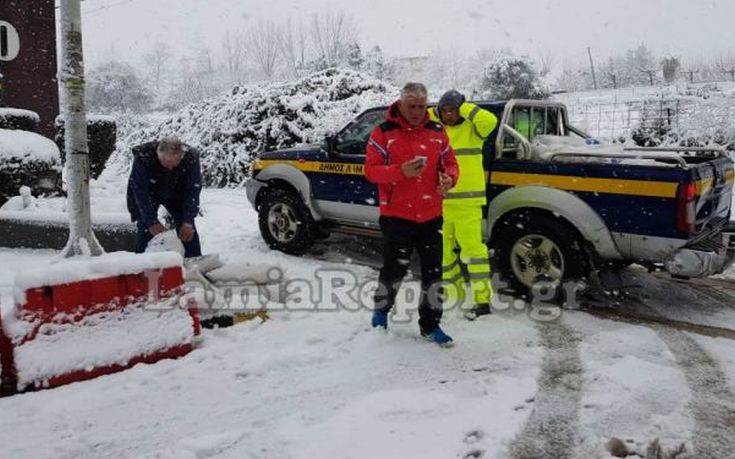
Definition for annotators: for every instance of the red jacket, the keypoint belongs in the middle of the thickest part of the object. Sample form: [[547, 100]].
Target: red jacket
[[394, 142]]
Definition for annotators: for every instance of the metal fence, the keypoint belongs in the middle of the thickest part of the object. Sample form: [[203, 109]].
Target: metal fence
[[613, 120], [612, 114]]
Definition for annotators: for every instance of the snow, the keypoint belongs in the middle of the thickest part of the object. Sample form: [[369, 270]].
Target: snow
[[231, 129], [318, 382], [107, 202], [19, 113], [37, 215], [635, 389], [92, 118], [27, 146], [66, 271], [102, 339], [167, 241]]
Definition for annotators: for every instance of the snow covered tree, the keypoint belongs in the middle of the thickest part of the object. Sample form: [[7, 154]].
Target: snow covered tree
[[378, 65], [690, 68], [294, 48], [614, 73], [232, 128], [155, 62], [573, 78], [726, 65], [233, 54], [510, 77], [117, 86], [194, 79], [332, 35], [354, 58], [670, 66], [264, 48], [641, 65]]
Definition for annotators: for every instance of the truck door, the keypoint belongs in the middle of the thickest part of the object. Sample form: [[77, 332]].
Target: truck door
[[343, 192]]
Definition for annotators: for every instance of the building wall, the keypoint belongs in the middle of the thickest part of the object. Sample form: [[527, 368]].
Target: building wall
[[29, 80]]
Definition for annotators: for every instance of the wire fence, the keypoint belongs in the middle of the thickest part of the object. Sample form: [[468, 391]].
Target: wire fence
[[617, 113], [618, 119]]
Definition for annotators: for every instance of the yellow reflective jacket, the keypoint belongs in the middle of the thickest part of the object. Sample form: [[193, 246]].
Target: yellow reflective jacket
[[467, 138]]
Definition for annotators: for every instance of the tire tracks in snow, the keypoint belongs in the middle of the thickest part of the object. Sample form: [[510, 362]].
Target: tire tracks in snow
[[606, 312], [551, 429], [713, 403]]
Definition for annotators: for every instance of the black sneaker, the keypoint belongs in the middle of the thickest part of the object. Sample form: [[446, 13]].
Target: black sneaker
[[481, 309]]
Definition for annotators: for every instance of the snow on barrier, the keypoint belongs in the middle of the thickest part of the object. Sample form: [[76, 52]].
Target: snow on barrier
[[83, 318]]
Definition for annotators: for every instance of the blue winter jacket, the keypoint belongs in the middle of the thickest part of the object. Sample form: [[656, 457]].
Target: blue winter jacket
[[151, 185]]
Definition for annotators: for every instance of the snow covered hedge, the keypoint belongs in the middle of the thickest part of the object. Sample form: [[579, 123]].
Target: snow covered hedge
[[16, 118], [231, 129], [27, 158]]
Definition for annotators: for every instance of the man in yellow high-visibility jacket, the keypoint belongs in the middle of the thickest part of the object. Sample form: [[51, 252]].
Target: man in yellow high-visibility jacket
[[468, 126]]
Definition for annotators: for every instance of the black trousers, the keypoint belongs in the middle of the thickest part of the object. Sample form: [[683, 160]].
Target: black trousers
[[400, 238]]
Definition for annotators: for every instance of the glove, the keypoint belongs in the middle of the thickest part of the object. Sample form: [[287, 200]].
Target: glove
[[451, 98]]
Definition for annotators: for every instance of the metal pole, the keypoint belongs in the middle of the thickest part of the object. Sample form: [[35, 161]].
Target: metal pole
[[81, 238], [592, 68]]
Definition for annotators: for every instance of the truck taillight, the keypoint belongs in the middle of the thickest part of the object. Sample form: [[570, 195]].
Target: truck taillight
[[686, 208]]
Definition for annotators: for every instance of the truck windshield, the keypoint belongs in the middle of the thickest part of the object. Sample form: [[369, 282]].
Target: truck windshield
[[353, 139]]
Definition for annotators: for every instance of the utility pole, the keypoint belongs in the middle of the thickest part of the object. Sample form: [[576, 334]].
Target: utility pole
[[81, 238], [592, 67]]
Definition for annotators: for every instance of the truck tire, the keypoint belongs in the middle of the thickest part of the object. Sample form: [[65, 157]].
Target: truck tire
[[285, 222], [534, 249]]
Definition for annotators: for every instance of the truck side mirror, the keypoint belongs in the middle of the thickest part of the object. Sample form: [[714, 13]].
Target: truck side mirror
[[330, 143]]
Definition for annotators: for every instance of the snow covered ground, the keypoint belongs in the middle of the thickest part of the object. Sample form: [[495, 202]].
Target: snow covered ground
[[320, 383]]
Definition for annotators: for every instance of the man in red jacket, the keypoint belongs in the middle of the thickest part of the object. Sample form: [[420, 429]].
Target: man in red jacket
[[409, 158]]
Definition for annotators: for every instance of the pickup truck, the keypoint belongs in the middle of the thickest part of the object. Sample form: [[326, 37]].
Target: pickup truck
[[559, 202]]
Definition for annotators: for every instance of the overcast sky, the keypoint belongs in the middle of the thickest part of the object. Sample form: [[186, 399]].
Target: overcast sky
[[126, 28]]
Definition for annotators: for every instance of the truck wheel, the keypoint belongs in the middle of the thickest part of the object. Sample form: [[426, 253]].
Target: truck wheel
[[285, 222], [536, 250]]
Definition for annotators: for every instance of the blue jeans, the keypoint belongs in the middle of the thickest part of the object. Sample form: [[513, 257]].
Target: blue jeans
[[143, 236]]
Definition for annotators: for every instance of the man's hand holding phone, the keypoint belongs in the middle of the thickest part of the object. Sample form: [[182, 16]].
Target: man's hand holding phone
[[414, 167]]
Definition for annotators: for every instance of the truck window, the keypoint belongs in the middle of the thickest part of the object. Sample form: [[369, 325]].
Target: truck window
[[530, 122], [353, 139]]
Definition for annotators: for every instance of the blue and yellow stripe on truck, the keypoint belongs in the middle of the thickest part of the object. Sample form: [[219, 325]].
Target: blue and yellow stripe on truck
[[618, 194], [331, 181], [325, 167], [588, 184]]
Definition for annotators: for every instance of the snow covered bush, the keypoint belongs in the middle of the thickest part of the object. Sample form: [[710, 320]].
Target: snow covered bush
[[16, 118], [512, 77], [116, 86], [27, 158], [101, 137], [231, 129]]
